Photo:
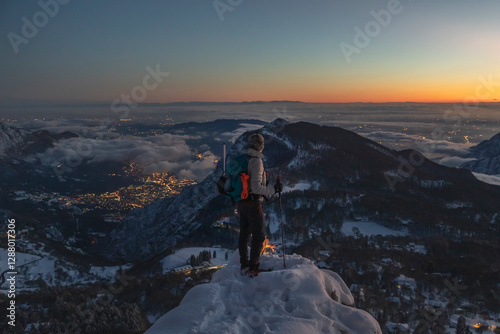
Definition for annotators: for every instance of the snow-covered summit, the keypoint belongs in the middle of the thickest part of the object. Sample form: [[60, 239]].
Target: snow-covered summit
[[300, 299], [486, 157], [11, 138], [277, 123]]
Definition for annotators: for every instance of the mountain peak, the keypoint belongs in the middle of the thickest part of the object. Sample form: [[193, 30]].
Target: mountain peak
[[487, 147], [277, 123], [486, 155], [11, 138], [299, 299]]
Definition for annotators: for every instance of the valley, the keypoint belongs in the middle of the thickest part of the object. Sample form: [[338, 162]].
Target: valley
[[420, 257]]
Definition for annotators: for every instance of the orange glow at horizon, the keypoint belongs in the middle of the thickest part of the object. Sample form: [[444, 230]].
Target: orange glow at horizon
[[437, 92]]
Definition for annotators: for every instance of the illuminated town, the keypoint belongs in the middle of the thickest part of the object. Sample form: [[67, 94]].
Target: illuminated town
[[113, 205], [147, 189]]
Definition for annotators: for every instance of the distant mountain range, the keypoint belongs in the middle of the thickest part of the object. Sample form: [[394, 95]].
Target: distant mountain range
[[343, 176], [16, 103], [349, 177], [19, 142]]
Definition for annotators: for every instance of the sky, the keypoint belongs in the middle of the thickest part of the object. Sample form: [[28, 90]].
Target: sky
[[160, 51]]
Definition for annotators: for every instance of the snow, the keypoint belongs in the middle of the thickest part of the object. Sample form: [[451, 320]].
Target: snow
[[458, 205], [433, 184], [108, 272], [11, 138], [383, 150], [43, 265], [181, 257], [46, 265], [397, 327], [30, 265], [300, 299], [302, 158], [491, 179], [301, 185], [369, 228], [322, 147], [409, 282], [21, 258], [417, 249]]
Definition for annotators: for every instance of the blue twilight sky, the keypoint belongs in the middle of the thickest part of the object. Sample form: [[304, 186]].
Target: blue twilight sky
[[261, 50]]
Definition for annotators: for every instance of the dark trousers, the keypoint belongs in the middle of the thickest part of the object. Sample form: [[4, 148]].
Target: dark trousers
[[251, 223]]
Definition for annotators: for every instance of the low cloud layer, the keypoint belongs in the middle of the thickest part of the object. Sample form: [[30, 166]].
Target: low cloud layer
[[233, 135], [163, 153], [86, 128], [399, 141]]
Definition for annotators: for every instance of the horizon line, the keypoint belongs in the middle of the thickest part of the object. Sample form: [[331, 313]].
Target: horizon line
[[57, 103]]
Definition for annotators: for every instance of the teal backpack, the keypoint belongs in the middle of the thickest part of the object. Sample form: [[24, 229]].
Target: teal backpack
[[233, 183]]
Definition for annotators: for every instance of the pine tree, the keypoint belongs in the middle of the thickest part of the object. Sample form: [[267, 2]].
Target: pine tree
[[192, 261], [215, 255], [462, 327], [227, 256]]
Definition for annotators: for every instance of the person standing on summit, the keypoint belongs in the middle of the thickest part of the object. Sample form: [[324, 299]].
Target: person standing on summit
[[250, 209]]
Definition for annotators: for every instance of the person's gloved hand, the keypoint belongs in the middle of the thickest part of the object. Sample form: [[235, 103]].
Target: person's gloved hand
[[278, 186]]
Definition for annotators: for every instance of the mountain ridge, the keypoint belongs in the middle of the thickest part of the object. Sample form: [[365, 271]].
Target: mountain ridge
[[486, 155], [347, 173]]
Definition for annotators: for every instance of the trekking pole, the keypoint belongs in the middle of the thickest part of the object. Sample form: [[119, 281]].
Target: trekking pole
[[282, 228], [224, 158]]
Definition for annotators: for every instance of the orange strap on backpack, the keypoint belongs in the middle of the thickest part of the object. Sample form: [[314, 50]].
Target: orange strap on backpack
[[244, 181]]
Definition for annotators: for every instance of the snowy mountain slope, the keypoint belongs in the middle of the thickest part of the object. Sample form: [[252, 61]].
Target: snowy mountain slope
[[11, 139], [349, 176], [54, 271], [487, 155], [153, 229], [301, 299], [18, 142], [160, 225], [182, 256]]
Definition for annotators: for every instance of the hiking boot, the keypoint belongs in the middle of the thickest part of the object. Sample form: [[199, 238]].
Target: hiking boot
[[254, 266], [244, 270]]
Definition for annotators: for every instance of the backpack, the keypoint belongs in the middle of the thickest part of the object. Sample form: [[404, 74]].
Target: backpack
[[233, 183]]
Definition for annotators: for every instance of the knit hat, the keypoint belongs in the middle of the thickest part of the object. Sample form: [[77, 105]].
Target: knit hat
[[256, 141]]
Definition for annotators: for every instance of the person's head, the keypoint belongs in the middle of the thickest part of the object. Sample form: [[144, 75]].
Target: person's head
[[256, 142]]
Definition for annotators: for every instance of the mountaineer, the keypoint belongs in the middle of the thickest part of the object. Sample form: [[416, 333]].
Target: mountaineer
[[250, 209]]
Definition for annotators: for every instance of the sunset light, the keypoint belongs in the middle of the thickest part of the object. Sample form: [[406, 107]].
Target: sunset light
[[383, 51]]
